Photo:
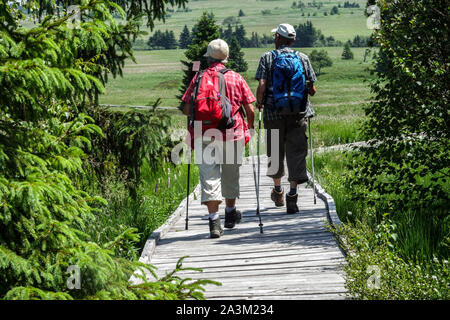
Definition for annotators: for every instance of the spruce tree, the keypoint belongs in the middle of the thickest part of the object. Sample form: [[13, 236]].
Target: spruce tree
[[236, 60], [203, 32], [162, 40], [239, 34], [254, 40], [49, 74], [185, 38], [171, 42], [306, 35], [227, 35], [347, 54]]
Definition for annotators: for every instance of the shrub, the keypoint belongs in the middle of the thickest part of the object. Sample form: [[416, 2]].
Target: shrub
[[347, 53], [376, 246], [374, 271], [49, 74], [405, 168], [129, 138], [320, 59]]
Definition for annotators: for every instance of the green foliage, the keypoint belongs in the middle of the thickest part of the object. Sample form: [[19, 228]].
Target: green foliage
[[347, 53], [361, 41], [382, 245], [162, 40], [236, 60], [159, 193], [347, 4], [310, 36], [49, 74], [129, 138], [334, 10], [399, 279], [298, 5], [204, 31], [231, 20], [153, 10], [405, 167], [185, 38], [239, 33], [320, 59], [172, 287]]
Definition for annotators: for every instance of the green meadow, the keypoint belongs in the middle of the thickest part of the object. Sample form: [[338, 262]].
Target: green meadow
[[342, 89], [347, 24]]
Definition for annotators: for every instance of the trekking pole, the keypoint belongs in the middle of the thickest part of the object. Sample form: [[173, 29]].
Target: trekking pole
[[188, 183], [312, 159], [256, 179], [259, 170], [196, 69]]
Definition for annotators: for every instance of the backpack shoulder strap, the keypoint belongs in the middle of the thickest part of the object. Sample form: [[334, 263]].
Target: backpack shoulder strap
[[222, 84], [275, 53], [301, 61], [197, 86]]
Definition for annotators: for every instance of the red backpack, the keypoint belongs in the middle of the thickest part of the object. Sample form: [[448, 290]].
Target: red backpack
[[210, 103]]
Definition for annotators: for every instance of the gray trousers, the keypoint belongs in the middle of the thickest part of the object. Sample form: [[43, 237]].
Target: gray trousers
[[286, 138]]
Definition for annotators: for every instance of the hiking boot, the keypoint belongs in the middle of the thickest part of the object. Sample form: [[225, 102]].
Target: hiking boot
[[277, 197], [232, 217], [291, 203], [215, 230]]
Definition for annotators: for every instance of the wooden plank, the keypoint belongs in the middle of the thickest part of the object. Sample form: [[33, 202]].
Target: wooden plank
[[183, 251], [266, 273], [295, 258], [253, 261], [212, 247], [261, 266], [247, 254], [316, 296]]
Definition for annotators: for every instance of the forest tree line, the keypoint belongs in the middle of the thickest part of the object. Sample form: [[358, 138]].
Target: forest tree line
[[310, 37]]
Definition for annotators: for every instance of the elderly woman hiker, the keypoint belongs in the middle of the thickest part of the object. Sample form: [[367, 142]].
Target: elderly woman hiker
[[215, 101]]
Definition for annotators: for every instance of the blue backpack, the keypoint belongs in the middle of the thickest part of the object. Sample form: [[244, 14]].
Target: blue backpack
[[289, 83]]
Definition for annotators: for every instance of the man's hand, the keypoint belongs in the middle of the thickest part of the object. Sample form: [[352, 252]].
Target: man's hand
[[250, 112], [260, 93], [311, 88], [187, 109]]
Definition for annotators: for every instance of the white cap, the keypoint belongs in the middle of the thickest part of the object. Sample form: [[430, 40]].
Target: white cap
[[217, 49], [286, 31]]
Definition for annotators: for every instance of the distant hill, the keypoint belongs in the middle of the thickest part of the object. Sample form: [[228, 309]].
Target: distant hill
[[263, 15]]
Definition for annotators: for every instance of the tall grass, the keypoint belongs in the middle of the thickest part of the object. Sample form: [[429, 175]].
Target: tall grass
[[159, 193], [411, 249]]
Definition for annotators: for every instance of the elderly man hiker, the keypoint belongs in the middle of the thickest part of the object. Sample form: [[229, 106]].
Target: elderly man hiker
[[225, 141], [287, 132]]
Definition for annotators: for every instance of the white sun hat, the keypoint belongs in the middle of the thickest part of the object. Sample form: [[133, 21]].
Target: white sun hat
[[217, 49], [286, 31]]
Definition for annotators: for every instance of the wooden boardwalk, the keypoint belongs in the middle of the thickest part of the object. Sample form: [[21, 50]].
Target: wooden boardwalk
[[295, 258]]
